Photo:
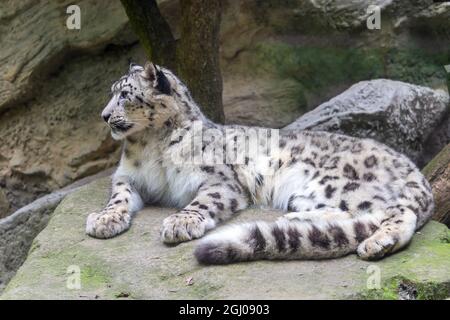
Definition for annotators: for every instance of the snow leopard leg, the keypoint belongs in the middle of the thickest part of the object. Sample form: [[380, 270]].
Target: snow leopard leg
[[115, 218], [214, 203]]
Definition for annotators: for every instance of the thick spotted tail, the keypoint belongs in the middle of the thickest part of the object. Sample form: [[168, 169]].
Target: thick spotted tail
[[287, 239]]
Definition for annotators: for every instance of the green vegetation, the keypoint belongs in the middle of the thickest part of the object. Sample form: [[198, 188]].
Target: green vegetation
[[317, 69], [403, 288]]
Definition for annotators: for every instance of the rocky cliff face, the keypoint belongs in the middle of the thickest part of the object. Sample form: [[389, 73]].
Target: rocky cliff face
[[279, 60], [53, 85]]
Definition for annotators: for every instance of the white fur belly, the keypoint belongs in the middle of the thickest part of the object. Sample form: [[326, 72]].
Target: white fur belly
[[159, 184], [156, 178], [284, 182], [182, 186], [148, 179]]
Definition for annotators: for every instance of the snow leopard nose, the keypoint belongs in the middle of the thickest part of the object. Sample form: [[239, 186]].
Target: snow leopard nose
[[106, 117]]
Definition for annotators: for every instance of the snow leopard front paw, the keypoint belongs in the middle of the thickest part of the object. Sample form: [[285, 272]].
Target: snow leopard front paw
[[107, 223], [181, 227]]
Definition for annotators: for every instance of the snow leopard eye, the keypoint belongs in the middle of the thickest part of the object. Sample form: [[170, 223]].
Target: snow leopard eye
[[123, 94]]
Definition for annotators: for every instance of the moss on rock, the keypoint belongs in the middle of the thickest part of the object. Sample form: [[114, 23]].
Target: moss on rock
[[400, 288]]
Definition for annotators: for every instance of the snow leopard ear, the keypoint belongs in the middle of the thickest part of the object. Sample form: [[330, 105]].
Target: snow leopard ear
[[132, 65], [154, 74], [150, 71]]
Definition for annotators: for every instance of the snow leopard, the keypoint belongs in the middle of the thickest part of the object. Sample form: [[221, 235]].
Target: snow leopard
[[337, 194]]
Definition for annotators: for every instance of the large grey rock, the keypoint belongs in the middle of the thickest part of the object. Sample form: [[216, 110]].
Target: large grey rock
[[136, 265], [398, 114], [18, 230]]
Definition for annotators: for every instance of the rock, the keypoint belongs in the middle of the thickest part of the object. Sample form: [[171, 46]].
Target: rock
[[250, 101], [438, 174], [45, 151], [4, 203], [434, 17], [136, 265], [251, 97], [398, 114], [18, 230], [31, 49], [45, 66], [348, 14]]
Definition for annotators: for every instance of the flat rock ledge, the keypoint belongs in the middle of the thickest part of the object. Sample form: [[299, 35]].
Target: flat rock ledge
[[136, 265]]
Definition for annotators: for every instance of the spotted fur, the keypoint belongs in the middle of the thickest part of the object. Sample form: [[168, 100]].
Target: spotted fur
[[343, 194]]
